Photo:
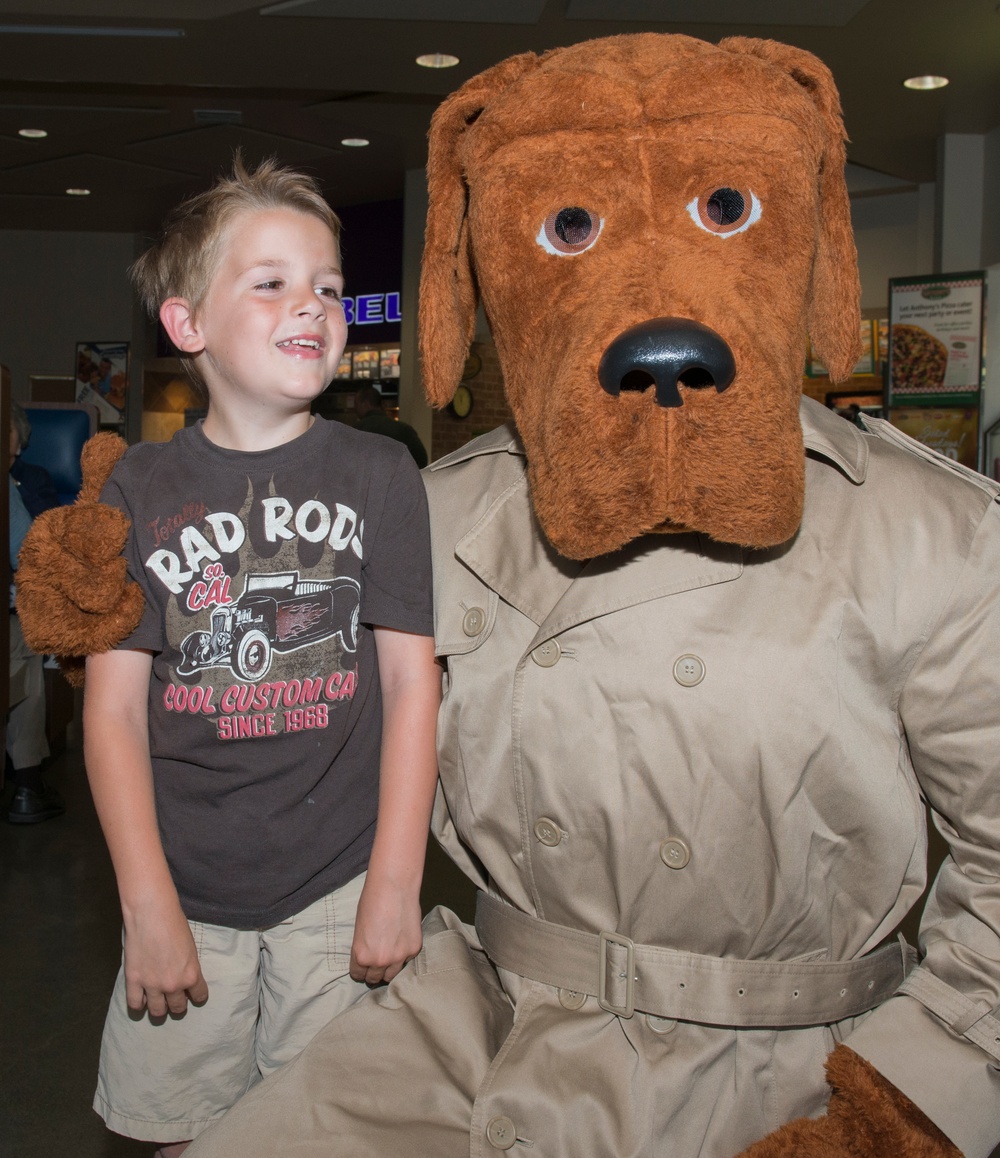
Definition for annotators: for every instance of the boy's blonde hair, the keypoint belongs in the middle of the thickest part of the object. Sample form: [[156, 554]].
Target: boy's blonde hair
[[182, 262]]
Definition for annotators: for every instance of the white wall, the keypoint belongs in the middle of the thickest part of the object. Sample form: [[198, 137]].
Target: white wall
[[894, 233], [991, 181], [57, 289], [991, 383]]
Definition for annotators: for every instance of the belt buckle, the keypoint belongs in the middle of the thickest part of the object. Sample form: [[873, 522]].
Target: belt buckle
[[628, 945]]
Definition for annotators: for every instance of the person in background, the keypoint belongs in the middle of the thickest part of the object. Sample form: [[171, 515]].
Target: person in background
[[38, 491], [33, 800], [369, 407]]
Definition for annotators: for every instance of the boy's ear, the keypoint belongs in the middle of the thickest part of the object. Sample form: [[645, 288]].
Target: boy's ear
[[177, 317]]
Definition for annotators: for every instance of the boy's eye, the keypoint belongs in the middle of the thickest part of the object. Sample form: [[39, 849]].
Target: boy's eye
[[328, 291], [268, 285]]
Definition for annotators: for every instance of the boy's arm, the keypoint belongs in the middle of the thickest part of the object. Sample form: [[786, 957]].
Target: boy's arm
[[161, 962], [387, 932]]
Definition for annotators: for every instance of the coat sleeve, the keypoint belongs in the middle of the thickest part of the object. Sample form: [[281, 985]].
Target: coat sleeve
[[938, 1039]]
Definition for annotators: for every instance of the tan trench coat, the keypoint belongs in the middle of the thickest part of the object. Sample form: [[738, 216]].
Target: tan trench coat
[[718, 752]]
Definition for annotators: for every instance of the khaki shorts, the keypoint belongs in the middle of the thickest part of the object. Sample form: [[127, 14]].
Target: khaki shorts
[[269, 991]]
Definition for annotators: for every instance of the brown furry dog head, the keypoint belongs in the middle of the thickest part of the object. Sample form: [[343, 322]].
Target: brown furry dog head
[[654, 224]]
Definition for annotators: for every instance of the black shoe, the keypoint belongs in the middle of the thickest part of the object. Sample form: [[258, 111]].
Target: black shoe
[[30, 807]]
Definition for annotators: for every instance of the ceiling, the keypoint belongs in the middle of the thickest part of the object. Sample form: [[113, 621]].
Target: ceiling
[[142, 120]]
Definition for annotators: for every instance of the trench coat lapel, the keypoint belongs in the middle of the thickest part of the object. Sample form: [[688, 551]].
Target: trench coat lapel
[[509, 553], [653, 567]]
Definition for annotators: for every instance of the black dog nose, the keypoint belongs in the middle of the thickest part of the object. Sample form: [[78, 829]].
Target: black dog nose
[[664, 352]]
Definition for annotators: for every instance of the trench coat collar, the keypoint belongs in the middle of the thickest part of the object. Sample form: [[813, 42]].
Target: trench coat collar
[[509, 553], [831, 437]]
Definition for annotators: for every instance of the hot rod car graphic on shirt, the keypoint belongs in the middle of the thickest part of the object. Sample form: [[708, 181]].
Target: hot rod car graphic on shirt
[[276, 612]]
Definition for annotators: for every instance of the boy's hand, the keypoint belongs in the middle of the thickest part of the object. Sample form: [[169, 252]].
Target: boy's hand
[[162, 971], [387, 932]]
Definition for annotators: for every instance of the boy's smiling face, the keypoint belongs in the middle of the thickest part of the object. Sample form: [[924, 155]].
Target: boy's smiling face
[[270, 331]]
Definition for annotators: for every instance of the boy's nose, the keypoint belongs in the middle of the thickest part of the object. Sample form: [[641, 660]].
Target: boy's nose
[[309, 303]]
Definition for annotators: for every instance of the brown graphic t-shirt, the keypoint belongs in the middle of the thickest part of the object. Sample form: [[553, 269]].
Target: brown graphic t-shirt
[[264, 574]]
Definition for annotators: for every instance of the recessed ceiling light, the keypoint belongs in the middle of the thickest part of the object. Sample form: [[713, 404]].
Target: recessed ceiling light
[[34, 134], [437, 60], [355, 142], [78, 192], [925, 82]]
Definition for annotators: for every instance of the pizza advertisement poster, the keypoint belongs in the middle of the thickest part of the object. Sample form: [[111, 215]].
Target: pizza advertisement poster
[[936, 336], [950, 430]]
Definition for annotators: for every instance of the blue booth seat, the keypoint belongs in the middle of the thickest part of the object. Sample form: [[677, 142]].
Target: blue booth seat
[[58, 432]]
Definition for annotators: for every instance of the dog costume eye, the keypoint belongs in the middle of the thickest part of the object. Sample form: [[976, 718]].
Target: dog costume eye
[[725, 211], [569, 231]]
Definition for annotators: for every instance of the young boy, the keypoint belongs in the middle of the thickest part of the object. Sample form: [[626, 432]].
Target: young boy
[[280, 692]]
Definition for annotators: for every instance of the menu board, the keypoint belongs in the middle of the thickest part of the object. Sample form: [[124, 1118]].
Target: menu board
[[388, 363], [366, 363], [935, 343]]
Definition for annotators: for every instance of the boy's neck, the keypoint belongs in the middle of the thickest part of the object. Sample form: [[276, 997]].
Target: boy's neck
[[253, 429]]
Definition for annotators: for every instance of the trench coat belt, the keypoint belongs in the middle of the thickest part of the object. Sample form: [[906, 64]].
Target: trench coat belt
[[626, 977]]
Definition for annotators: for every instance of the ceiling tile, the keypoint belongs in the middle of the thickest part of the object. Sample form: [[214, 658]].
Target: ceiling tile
[[210, 149], [831, 13], [127, 9], [457, 11], [87, 170], [66, 124]]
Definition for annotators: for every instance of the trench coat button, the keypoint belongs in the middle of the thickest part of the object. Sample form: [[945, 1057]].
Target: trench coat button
[[547, 654], [548, 832], [674, 853], [689, 671], [474, 621], [571, 998], [660, 1024], [500, 1133]]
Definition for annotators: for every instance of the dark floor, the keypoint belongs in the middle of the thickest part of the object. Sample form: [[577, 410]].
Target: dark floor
[[58, 959], [58, 966]]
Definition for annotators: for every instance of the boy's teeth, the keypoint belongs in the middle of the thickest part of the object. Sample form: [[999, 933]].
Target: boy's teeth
[[300, 342]]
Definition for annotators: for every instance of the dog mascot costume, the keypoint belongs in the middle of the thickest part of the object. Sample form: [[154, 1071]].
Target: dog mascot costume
[[707, 650]]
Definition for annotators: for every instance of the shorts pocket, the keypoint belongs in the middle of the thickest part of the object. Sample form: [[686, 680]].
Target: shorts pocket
[[341, 909]]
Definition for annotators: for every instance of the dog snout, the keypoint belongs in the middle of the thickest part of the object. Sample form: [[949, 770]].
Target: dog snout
[[666, 353]]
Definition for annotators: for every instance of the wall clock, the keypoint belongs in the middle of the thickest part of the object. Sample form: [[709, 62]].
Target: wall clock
[[461, 404]]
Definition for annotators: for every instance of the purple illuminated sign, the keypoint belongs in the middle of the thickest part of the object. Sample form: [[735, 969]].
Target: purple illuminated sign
[[372, 309]]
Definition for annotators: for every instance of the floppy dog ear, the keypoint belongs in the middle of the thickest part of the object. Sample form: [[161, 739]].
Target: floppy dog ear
[[448, 292], [835, 304]]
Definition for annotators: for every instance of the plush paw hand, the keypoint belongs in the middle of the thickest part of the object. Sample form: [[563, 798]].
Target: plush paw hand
[[867, 1118], [73, 594], [92, 571]]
